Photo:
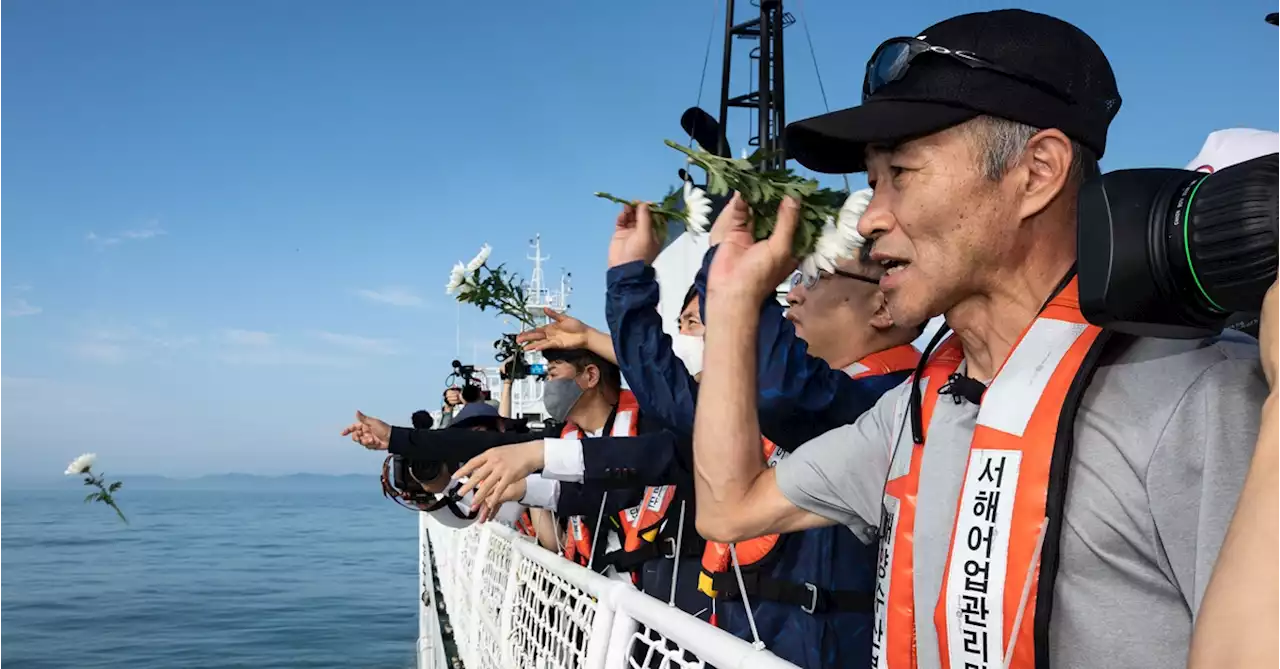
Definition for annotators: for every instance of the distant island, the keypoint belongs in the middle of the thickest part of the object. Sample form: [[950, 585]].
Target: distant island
[[232, 481]]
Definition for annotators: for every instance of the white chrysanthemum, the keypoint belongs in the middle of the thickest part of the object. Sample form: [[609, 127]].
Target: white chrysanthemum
[[456, 278], [839, 238], [698, 207], [851, 212], [832, 247], [465, 288], [480, 259], [81, 464], [808, 267]]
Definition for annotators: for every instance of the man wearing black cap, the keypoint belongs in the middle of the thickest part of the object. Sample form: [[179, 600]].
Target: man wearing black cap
[[1044, 493]]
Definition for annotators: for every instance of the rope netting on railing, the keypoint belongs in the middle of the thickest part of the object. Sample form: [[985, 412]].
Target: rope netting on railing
[[514, 605]]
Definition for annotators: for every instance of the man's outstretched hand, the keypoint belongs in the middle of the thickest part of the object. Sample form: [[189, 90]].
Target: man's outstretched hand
[[564, 332], [633, 237], [369, 432], [498, 473], [745, 267]]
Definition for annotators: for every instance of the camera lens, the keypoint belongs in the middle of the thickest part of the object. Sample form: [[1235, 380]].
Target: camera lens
[[1173, 253], [1227, 226]]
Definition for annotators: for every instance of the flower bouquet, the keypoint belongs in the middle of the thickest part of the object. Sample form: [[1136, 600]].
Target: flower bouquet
[[828, 230], [83, 466], [489, 287]]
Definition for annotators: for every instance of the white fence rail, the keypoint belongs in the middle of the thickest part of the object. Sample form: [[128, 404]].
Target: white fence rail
[[513, 605]]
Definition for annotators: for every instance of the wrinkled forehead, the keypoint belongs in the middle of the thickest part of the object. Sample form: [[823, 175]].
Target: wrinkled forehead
[[954, 140]]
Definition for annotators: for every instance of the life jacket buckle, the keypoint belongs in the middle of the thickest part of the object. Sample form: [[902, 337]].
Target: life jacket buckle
[[670, 551], [813, 599]]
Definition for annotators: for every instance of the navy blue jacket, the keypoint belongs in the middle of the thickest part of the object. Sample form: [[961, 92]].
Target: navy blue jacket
[[800, 397]]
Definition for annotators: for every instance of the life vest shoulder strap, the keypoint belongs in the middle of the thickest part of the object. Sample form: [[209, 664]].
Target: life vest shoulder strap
[[897, 359]]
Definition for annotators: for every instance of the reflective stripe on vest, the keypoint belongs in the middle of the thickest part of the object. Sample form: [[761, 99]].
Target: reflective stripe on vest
[[577, 546], [987, 603], [716, 557]]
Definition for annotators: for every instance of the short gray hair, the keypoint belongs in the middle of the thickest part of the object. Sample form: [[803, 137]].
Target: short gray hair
[[1001, 143]]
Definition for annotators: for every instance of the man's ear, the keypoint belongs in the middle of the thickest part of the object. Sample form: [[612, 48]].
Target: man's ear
[[881, 319], [592, 376], [1048, 166]]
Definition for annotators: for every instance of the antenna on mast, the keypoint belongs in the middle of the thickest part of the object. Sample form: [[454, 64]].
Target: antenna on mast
[[537, 291], [561, 298]]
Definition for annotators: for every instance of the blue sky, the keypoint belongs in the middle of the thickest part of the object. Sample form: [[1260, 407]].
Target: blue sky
[[228, 224]]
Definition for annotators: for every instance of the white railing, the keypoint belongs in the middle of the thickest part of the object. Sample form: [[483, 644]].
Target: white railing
[[514, 605]]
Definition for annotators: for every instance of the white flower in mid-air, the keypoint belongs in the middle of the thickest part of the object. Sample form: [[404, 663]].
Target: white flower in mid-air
[[480, 259], [456, 277], [698, 207], [81, 464], [466, 288]]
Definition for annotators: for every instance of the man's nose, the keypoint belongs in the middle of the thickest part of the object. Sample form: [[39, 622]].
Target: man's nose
[[794, 298], [877, 219]]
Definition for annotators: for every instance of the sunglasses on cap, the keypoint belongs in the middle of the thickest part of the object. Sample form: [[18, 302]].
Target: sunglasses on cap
[[799, 279], [892, 59]]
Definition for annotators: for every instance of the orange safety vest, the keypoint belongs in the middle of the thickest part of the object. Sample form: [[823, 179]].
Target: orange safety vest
[[752, 552], [638, 523], [988, 600], [525, 525]]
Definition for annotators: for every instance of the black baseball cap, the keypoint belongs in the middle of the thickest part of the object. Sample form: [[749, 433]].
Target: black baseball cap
[[938, 92]]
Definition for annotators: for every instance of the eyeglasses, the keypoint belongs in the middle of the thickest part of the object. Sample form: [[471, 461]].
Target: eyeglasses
[[892, 59], [809, 282], [687, 321]]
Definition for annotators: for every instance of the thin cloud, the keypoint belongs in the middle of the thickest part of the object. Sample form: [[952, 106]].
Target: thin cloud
[[252, 338], [20, 307], [278, 356], [255, 348], [101, 351], [17, 306], [396, 296], [358, 344], [117, 345], [150, 231]]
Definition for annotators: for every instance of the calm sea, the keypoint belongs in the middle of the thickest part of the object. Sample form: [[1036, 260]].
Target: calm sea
[[310, 576]]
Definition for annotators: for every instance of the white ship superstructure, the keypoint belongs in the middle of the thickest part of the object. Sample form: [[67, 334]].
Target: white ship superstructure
[[526, 394]]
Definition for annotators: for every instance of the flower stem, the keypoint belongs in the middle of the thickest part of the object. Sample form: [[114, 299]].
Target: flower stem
[[112, 504]]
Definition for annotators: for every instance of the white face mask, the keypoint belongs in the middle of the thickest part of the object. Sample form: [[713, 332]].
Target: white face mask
[[689, 349]]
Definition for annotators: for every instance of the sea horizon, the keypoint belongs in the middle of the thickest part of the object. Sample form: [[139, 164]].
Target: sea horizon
[[215, 571]]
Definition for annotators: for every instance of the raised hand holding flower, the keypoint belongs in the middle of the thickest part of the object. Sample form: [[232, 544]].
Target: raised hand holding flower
[[83, 466], [822, 236], [633, 237]]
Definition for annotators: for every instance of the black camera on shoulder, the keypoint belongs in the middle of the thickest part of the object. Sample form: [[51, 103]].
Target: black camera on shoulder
[[1178, 254]]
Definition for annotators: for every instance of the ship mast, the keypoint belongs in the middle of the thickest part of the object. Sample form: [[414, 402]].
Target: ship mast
[[768, 100], [537, 295]]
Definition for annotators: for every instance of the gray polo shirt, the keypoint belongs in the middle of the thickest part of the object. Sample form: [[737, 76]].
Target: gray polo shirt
[[1163, 439]]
